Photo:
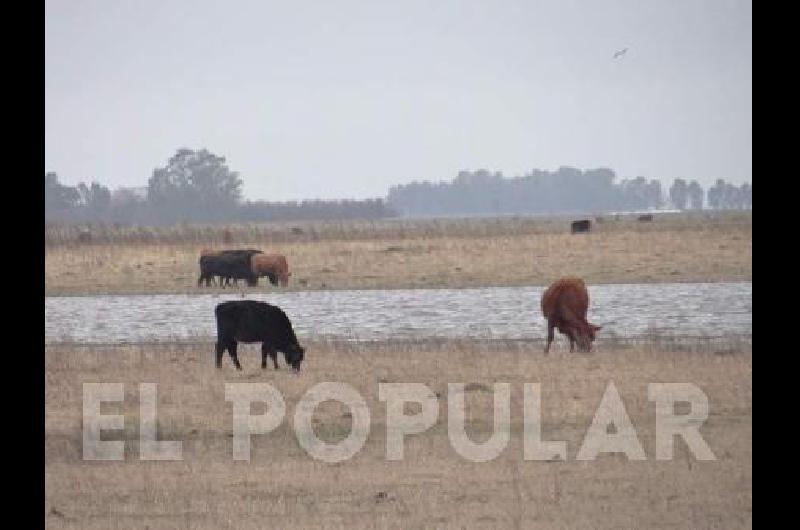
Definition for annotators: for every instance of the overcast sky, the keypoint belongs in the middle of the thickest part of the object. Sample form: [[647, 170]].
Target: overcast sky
[[341, 99]]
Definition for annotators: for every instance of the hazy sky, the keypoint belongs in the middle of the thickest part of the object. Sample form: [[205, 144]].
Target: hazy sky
[[337, 99]]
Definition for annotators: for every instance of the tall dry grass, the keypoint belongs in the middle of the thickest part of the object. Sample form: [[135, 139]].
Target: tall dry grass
[[433, 487], [313, 231], [420, 254]]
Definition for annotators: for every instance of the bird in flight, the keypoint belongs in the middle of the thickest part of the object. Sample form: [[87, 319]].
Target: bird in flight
[[620, 53]]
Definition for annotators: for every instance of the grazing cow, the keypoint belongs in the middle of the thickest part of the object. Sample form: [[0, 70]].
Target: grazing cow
[[227, 264], [250, 321], [581, 226], [646, 218], [564, 305], [274, 266]]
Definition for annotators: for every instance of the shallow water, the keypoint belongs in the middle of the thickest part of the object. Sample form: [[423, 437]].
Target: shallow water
[[629, 310]]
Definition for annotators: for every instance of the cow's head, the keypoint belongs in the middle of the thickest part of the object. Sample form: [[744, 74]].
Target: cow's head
[[294, 356], [584, 336]]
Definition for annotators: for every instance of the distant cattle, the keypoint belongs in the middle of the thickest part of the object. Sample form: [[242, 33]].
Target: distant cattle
[[274, 266], [239, 271], [208, 279], [206, 275], [564, 305], [582, 225], [249, 321], [227, 265], [646, 218], [245, 255]]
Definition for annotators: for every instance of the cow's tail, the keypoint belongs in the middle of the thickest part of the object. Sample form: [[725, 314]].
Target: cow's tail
[[218, 317]]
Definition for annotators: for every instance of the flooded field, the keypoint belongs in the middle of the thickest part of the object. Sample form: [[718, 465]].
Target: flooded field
[[625, 310]]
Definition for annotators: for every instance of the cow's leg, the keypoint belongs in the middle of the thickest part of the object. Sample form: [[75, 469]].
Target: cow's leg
[[264, 353], [550, 335], [232, 351], [220, 349], [571, 343], [274, 354], [267, 350]]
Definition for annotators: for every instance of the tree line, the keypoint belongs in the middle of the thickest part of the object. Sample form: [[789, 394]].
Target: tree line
[[566, 190], [194, 186], [198, 186]]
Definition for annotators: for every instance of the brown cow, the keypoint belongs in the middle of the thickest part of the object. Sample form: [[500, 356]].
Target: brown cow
[[564, 305], [272, 265]]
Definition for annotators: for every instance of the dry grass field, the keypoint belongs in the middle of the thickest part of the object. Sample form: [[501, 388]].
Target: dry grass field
[[433, 487], [414, 254]]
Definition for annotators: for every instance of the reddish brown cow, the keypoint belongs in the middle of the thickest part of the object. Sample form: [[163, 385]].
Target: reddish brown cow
[[564, 305], [273, 265]]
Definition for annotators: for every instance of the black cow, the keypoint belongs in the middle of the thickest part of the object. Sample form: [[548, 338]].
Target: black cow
[[646, 218], [228, 264], [250, 321], [243, 254], [580, 226]]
